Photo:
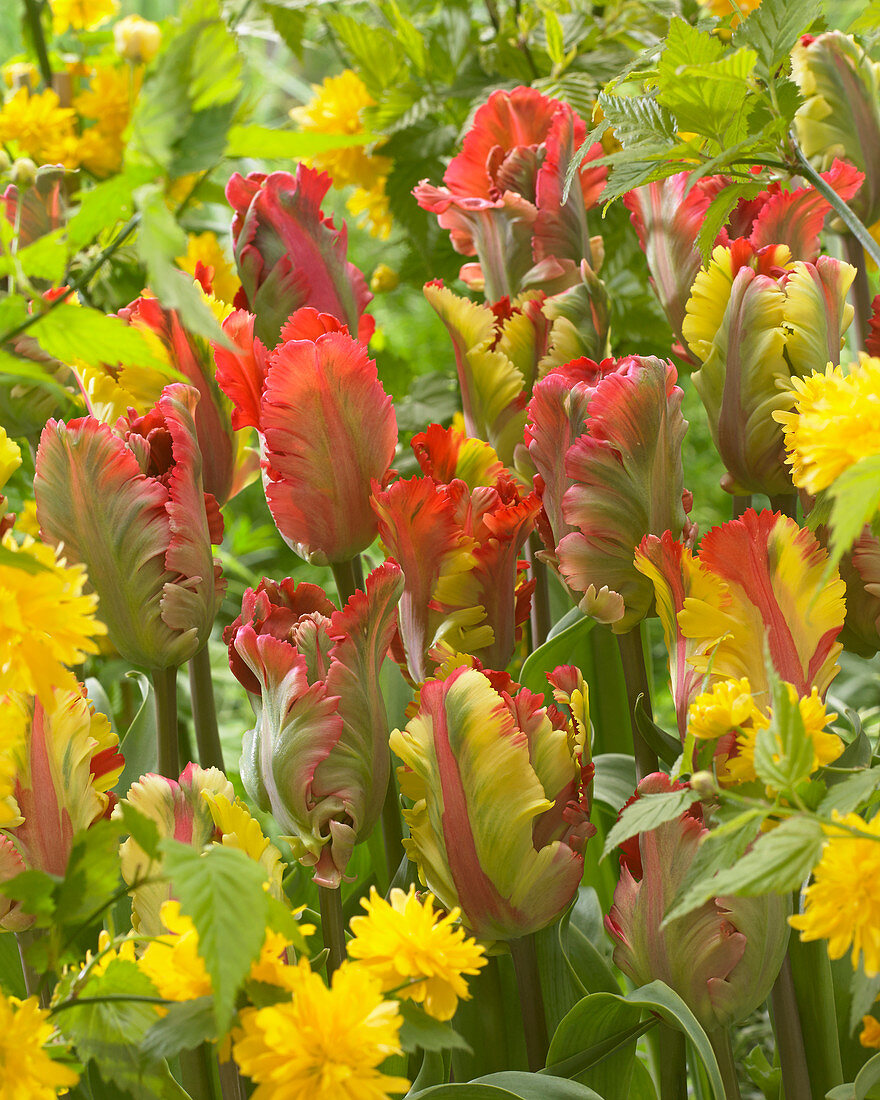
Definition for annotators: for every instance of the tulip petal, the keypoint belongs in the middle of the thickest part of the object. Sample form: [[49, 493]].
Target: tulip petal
[[817, 313]]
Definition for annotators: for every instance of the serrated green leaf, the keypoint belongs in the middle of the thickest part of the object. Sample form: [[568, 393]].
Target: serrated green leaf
[[712, 99], [91, 876], [685, 45], [159, 240], [70, 332], [289, 24], [855, 497], [221, 890], [783, 752], [269, 144], [422, 1032], [638, 119], [46, 258], [36, 892], [719, 211], [102, 206], [187, 1025], [555, 43], [851, 793], [375, 50], [647, 813], [719, 848], [110, 1032], [13, 310], [774, 27], [142, 829], [778, 862]]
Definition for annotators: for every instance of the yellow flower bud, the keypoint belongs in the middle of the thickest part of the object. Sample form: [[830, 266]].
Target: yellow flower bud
[[384, 279], [137, 39]]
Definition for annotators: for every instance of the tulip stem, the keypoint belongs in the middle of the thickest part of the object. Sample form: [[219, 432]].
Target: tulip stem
[[195, 1072], [814, 997], [672, 1058], [349, 577], [635, 673], [861, 291], [332, 926], [205, 710], [165, 699], [231, 1084], [786, 503], [32, 11], [392, 829], [740, 505], [540, 613], [531, 1000], [789, 1039], [720, 1041]]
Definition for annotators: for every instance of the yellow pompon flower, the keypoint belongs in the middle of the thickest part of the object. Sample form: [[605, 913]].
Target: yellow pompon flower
[[324, 1044], [826, 746], [81, 15], [39, 126], [727, 706], [13, 732], [737, 9], [10, 457], [835, 422], [842, 904], [26, 1070], [403, 940], [173, 962], [205, 248], [46, 622], [370, 208], [108, 98], [870, 1034], [107, 954]]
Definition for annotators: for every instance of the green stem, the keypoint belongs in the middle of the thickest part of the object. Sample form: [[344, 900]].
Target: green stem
[[840, 207], [77, 284], [332, 927], [789, 1038], [392, 829], [231, 1085], [205, 710], [195, 1072], [855, 255], [165, 698], [673, 1063], [632, 655], [348, 576], [720, 1041], [740, 505], [814, 991], [785, 503], [32, 14], [540, 613], [531, 1000]]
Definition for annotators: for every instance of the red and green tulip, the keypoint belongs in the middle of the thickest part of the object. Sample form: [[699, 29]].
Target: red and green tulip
[[754, 320], [721, 959], [459, 551], [503, 199], [499, 791], [290, 255], [327, 429], [626, 482], [317, 757], [129, 504]]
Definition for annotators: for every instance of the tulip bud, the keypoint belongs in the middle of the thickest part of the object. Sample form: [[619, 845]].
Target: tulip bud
[[500, 809], [840, 115], [722, 958], [129, 505], [317, 757]]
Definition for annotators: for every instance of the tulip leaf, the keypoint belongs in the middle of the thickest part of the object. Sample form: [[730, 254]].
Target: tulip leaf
[[471, 1090], [868, 1076], [668, 748], [110, 1031], [271, 144], [533, 1086], [186, 1025], [11, 976], [422, 1032], [615, 779], [863, 993], [138, 744], [221, 890], [647, 813]]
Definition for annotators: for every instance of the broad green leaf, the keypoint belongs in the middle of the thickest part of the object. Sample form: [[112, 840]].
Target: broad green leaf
[[856, 498], [187, 1024], [868, 1076], [566, 646], [647, 813], [774, 27], [532, 1086], [110, 1032], [849, 795], [615, 780], [11, 977], [160, 239], [590, 972], [422, 1032], [139, 744], [778, 862], [470, 1090], [269, 144], [667, 747], [221, 890], [719, 848], [70, 332], [432, 1072]]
